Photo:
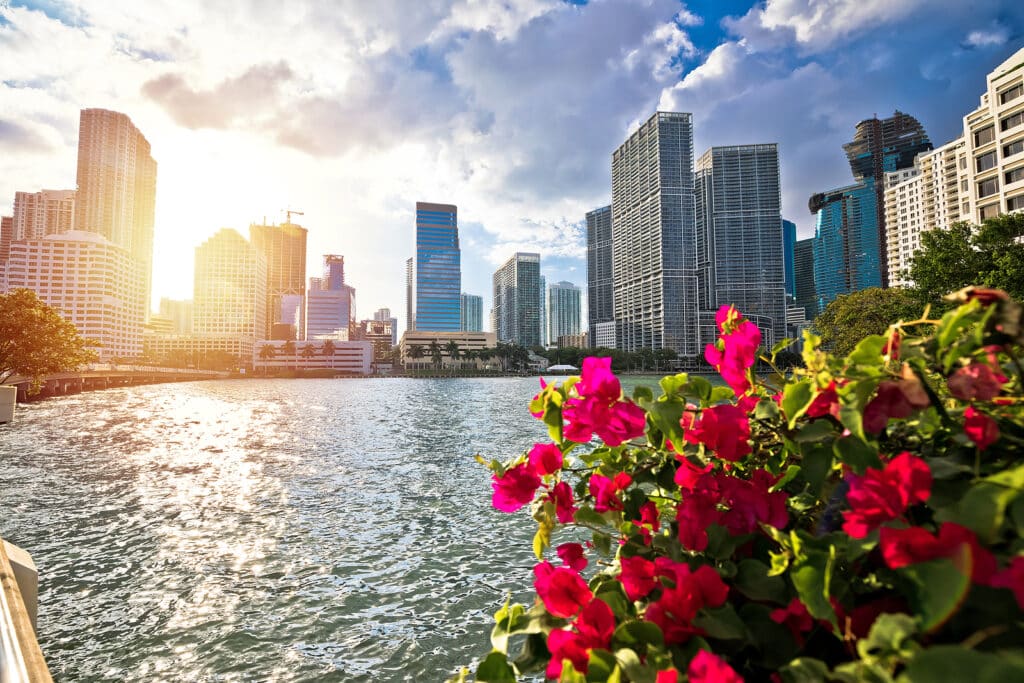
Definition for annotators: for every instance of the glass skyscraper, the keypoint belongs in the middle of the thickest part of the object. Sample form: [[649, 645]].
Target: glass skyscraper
[[739, 238], [600, 303], [438, 270], [472, 313], [803, 275], [846, 242], [563, 314], [654, 259], [788, 254], [517, 296]]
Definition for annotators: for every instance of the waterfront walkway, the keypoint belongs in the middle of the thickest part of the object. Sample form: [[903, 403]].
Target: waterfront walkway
[[106, 377]]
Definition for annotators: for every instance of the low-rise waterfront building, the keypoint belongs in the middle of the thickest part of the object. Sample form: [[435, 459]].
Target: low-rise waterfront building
[[422, 340], [350, 357]]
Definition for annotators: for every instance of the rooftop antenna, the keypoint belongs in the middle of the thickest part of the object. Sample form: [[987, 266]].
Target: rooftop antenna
[[288, 215]]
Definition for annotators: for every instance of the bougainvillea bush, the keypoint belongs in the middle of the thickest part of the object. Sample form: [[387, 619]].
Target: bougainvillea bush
[[856, 519]]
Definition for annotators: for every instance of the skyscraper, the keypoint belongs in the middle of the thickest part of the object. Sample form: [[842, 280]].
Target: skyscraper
[[803, 275], [283, 248], [516, 313], [846, 241], [229, 294], [654, 260], [788, 247], [438, 270], [6, 235], [543, 311], [563, 315], [330, 303], [739, 238], [117, 186], [410, 294], [600, 301], [472, 313], [384, 314], [38, 214]]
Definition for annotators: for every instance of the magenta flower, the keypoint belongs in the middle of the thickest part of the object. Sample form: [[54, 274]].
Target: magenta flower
[[976, 382], [562, 590], [883, 495], [545, 458], [709, 668], [725, 429], [572, 557], [597, 380], [637, 577], [980, 428], [739, 340], [561, 496], [515, 488], [599, 409], [606, 491]]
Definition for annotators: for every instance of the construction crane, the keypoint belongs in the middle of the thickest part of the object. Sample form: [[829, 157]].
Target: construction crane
[[288, 215]]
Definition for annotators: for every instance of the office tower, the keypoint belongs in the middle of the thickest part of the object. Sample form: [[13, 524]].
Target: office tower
[[739, 238], [564, 314], [600, 302], [654, 264], [384, 314], [330, 303], [788, 245], [38, 214], [516, 312], [117, 186], [96, 285], [845, 242], [438, 270], [803, 276], [410, 294], [179, 313], [283, 247], [230, 291], [880, 146], [543, 311], [472, 313], [6, 235]]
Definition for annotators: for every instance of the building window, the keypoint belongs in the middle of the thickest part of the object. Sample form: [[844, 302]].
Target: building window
[[988, 187], [1013, 148], [1015, 203], [985, 161], [1015, 175], [963, 185], [988, 211], [1011, 94], [983, 136], [1012, 121]]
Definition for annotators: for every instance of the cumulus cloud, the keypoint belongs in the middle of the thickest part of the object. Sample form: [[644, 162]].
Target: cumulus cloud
[[16, 137]]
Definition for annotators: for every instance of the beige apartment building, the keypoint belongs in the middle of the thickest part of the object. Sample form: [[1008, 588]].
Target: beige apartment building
[[467, 341], [38, 214], [977, 176]]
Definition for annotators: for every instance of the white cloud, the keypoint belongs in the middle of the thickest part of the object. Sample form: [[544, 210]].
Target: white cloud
[[994, 35]]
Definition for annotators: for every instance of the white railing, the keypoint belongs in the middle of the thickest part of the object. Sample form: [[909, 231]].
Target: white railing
[[21, 660]]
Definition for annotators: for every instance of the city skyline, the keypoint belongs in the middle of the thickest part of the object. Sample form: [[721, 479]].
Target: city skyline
[[242, 133]]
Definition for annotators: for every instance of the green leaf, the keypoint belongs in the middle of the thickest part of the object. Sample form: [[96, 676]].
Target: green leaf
[[602, 666], [791, 473], [939, 587], [753, 580], [495, 669], [804, 670], [588, 516], [983, 508], [766, 410], [945, 663], [631, 665], [810, 576], [816, 430], [856, 453], [637, 635], [891, 637], [673, 385], [720, 395], [642, 394], [868, 351], [722, 623], [602, 542], [665, 415], [796, 399], [853, 398]]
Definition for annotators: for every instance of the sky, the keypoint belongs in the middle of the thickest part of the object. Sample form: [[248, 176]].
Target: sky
[[351, 111]]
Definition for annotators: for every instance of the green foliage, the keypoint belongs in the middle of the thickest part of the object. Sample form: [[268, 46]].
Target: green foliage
[[871, 529], [35, 341], [852, 317]]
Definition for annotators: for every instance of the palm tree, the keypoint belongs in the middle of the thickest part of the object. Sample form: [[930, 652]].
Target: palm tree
[[452, 348], [266, 354], [435, 354], [415, 351], [288, 349], [328, 348], [308, 351]]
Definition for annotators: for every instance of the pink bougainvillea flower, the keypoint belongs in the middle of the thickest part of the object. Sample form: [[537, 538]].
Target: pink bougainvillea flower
[[980, 428], [540, 413], [895, 399], [904, 547], [637, 577], [599, 409], [689, 476], [892, 345], [794, 617], [667, 676], [598, 381], [883, 495], [751, 502], [825, 403], [571, 555], [562, 590], [976, 382], [739, 340], [606, 491], [561, 496], [621, 422], [725, 429], [696, 512], [1013, 578], [594, 629], [709, 668], [648, 524], [515, 488], [545, 458], [863, 617], [689, 592]]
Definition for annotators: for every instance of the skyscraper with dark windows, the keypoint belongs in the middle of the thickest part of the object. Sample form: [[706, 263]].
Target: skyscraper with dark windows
[[600, 301], [654, 259], [739, 238], [437, 269], [788, 249], [516, 312], [803, 276]]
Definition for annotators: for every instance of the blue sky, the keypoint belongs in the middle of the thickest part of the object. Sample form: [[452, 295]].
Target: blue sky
[[352, 111]]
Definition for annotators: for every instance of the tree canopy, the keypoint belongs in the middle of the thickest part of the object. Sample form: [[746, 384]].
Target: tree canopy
[[35, 341], [851, 317]]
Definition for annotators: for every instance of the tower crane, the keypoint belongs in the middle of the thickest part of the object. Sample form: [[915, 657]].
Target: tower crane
[[288, 215]]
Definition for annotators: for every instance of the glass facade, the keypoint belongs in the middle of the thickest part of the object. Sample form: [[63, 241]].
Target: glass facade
[[563, 312], [846, 242], [600, 303], [803, 277], [788, 256], [517, 296], [438, 270], [472, 313]]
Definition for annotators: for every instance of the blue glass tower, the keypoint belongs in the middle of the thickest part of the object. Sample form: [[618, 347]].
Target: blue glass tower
[[788, 252], [438, 276], [846, 241]]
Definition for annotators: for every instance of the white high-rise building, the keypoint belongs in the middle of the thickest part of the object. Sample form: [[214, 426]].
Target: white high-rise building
[[654, 259], [47, 212], [95, 284], [979, 175], [517, 297], [564, 311], [229, 293]]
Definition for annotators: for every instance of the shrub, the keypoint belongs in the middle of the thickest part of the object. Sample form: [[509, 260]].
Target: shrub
[[859, 518]]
